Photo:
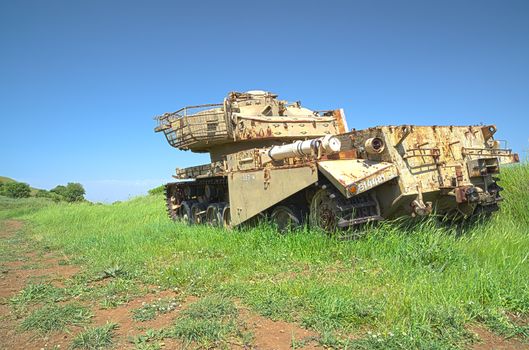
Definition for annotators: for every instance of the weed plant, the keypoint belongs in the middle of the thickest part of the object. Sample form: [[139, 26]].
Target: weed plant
[[95, 338], [56, 317]]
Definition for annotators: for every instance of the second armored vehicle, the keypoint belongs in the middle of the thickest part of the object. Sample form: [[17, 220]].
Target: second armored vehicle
[[273, 158]]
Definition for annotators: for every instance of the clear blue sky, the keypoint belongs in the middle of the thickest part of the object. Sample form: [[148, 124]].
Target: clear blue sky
[[81, 80]]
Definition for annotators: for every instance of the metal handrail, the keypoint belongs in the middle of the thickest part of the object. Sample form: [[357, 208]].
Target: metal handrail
[[181, 113], [192, 124]]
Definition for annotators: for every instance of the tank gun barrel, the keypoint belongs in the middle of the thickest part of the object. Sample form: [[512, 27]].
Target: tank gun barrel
[[327, 145]]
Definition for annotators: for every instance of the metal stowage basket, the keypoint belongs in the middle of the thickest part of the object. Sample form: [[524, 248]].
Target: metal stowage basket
[[189, 125]]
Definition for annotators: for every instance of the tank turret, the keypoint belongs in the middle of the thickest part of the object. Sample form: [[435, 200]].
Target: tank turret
[[245, 120]]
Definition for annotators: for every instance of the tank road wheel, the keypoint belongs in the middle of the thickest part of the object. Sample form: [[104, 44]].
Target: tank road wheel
[[185, 212], [286, 218], [226, 217], [324, 211], [198, 213], [214, 214]]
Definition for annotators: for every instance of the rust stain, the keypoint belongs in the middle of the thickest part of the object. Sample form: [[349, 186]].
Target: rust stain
[[339, 120]]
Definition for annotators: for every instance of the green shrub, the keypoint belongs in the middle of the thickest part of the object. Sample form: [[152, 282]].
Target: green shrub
[[15, 190], [47, 194], [72, 192]]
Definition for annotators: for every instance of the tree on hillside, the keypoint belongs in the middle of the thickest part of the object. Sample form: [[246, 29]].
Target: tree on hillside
[[50, 195], [59, 189], [72, 192], [15, 190], [157, 190]]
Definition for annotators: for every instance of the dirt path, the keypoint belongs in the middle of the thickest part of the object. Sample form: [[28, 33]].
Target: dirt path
[[28, 264], [15, 275]]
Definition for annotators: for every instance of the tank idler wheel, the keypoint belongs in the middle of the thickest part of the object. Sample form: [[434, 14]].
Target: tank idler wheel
[[324, 211], [226, 217], [214, 214], [172, 200], [286, 218], [198, 213], [185, 212]]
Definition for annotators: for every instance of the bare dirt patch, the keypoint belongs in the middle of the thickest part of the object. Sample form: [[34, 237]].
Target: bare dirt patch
[[489, 340], [277, 335], [128, 327], [10, 227], [518, 319]]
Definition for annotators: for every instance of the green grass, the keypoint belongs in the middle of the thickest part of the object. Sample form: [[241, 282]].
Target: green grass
[[115, 293], [95, 338], [208, 321], [11, 207], [12, 247], [416, 284], [108, 293], [56, 317], [32, 293], [211, 322]]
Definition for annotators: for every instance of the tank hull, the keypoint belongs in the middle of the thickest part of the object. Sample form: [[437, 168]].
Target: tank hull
[[450, 175], [301, 166]]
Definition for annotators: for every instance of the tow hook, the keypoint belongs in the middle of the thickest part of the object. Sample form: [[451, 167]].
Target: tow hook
[[420, 208]]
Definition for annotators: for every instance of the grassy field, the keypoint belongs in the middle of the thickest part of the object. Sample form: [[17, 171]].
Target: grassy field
[[403, 285]]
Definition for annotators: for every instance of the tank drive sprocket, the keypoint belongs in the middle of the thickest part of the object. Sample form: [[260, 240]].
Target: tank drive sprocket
[[332, 213]]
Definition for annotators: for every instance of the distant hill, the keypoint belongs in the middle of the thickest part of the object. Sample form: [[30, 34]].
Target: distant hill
[[5, 179]]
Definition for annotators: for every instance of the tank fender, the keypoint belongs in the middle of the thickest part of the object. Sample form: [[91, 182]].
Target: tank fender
[[354, 176], [253, 191]]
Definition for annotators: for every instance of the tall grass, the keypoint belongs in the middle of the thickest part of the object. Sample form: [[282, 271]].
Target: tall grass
[[413, 285], [11, 207]]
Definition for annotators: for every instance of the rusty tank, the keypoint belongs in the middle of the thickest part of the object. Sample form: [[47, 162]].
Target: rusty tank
[[294, 165]]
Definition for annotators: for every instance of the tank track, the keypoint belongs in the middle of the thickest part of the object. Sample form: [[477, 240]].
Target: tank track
[[358, 210], [192, 191]]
